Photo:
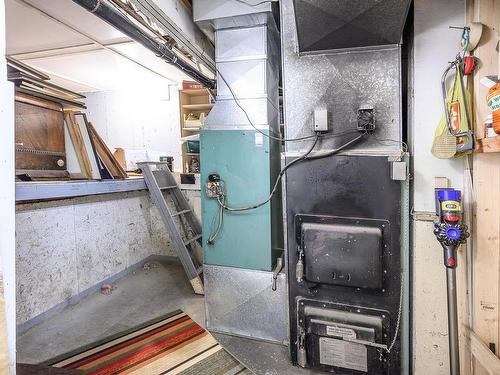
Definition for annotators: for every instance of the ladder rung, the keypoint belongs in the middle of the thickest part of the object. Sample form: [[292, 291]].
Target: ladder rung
[[168, 187], [195, 238], [181, 213]]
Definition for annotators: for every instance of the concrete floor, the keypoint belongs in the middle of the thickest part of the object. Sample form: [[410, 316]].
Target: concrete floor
[[139, 297]]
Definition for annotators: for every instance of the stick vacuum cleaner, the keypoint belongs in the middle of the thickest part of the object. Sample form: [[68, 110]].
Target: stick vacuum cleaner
[[451, 232]]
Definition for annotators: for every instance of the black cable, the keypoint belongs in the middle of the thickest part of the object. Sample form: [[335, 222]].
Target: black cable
[[304, 157], [275, 187], [338, 149]]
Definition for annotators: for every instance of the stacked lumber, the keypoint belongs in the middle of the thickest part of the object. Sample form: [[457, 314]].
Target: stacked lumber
[[43, 111]]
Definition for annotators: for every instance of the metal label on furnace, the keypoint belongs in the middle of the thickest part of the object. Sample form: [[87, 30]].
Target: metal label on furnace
[[345, 333], [340, 353]]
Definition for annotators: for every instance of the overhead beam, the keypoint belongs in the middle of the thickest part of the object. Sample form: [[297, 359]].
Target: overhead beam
[[67, 50]]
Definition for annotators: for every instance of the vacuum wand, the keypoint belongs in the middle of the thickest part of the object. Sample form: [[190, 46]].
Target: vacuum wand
[[451, 232]]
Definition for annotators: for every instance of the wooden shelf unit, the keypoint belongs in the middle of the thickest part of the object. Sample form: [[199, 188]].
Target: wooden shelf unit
[[491, 144], [197, 102]]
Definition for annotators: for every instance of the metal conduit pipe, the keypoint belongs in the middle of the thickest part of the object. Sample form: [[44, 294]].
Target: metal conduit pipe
[[107, 13]]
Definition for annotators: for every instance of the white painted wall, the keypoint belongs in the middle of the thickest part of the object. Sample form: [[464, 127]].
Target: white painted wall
[[7, 197], [138, 118], [434, 45], [182, 17]]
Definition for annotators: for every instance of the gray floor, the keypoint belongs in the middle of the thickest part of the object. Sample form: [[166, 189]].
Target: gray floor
[[139, 297]]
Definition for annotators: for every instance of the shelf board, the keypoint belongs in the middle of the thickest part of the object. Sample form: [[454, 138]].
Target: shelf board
[[191, 154], [191, 129], [195, 92], [491, 144], [198, 107]]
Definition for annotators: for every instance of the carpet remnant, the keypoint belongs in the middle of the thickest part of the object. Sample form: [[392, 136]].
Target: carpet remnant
[[172, 344]]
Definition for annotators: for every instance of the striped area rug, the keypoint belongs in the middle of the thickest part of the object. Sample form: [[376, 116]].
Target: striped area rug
[[172, 344]]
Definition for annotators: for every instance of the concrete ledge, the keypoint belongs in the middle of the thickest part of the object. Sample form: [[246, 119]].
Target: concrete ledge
[[32, 191], [29, 191]]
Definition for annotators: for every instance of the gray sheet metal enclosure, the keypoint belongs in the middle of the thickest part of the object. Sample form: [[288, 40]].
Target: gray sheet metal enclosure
[[352, 192], [340, 82], [340, 24]]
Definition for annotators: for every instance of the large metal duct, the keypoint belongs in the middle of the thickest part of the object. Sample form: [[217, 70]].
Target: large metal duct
[[235, 145], [349, 24]]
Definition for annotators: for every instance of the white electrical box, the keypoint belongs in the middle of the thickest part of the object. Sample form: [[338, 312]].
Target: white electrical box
[[322, 120]]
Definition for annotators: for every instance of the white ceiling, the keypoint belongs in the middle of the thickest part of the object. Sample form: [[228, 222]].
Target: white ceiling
[[78, 50]]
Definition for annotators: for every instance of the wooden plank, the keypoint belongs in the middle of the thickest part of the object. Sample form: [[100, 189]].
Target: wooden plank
[[78, 143], [106, 155], [486, 175], [491, 144], [488, 361], [39, 102], [43, 175]]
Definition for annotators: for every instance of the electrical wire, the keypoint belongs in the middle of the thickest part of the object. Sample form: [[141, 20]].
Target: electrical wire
[[337, 150], [388, 140], [237, 101], [257, 4], [400, 313], [304, 157], [275, 187], [220, 220]]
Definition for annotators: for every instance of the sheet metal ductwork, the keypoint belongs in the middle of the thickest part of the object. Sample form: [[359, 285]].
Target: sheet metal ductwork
[[235, 146], [348, 24]]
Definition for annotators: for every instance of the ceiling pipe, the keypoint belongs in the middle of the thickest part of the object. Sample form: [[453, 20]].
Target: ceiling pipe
[[107, 13]]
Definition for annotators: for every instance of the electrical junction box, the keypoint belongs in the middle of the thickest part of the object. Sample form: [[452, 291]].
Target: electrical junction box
[[322, 120]]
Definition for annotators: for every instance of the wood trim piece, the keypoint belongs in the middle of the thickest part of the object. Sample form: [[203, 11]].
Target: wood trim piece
[[488, 144], [78, 143], [106, 155], [39, 102], [43, 174], [4, 348], [481, 352], [486, 176]]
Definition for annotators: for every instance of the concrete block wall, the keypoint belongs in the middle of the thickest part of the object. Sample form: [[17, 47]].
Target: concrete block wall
[[65, 247]]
